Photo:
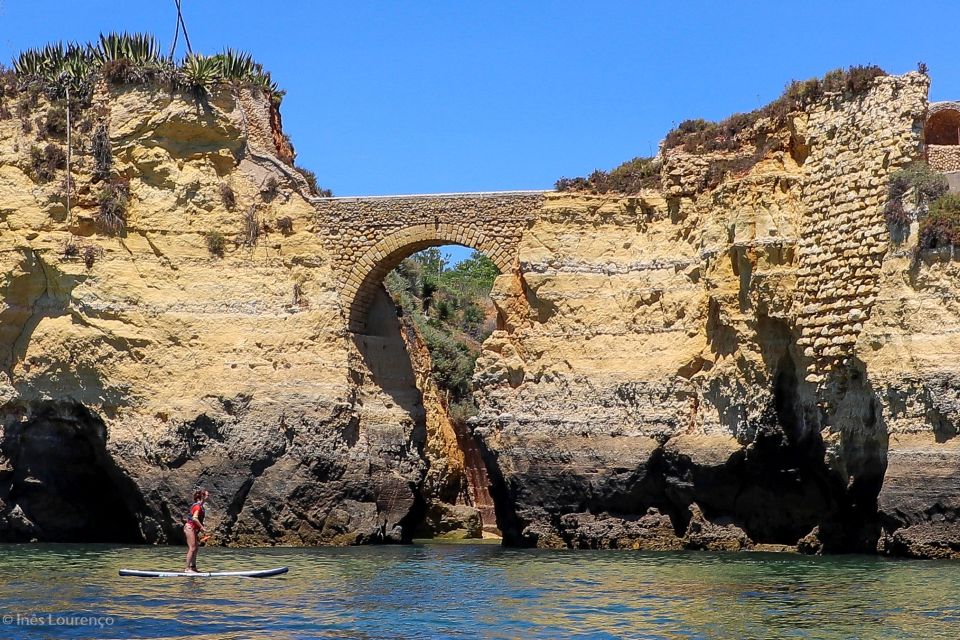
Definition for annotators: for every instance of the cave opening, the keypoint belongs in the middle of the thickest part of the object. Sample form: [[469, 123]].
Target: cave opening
[[783, 486], [423, 332], [61, 484]]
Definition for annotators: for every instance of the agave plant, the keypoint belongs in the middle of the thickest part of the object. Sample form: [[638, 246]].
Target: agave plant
[[201, 73], [276, 95], [135, 58], [75, 73], [41, 64], [128, 58], [139, 48], [78, 61], [238, 66], [30, 64], [167, 72], [265, 83], [57, 67]]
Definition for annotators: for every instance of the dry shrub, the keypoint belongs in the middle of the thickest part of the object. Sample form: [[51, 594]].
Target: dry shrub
[[111, 217], [124, 71], [925, 186], [216, 243], [90, 254], [941, 226], [53, 124], [25, 106], [701, 136], [8, 83], [895, 213], [629, 177], [311, 179], [46, 161], [70, 249], [102, 154], [73, 250], [251, 227], [737, 132], [928, 185], [285, 225], [228, 196]]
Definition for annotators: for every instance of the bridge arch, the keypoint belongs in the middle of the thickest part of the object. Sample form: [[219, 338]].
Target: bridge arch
[[373, 266], [943, 126]]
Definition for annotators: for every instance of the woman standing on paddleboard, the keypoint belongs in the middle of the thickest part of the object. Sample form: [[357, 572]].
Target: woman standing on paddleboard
[[193, 527]]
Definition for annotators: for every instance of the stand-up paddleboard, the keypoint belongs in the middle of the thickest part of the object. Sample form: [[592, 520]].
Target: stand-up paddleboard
[[263, 573]]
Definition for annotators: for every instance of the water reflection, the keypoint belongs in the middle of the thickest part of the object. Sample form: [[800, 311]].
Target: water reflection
[[481, 591]]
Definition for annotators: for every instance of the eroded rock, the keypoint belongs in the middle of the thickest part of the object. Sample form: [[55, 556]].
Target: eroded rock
[[743, 364]]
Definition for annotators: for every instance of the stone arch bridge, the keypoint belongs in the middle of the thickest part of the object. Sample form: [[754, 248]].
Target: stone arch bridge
[[369, 236]]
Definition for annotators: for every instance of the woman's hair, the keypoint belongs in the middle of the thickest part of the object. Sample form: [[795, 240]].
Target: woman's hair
[[198, 494]]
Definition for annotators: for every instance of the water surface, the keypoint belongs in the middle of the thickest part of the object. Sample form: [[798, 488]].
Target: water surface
[[471, 591]]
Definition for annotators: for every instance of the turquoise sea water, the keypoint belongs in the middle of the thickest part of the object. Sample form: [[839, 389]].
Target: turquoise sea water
[[473, 591]]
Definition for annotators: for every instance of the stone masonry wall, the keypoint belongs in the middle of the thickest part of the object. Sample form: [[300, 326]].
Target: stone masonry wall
[[370, 236], [945, 158], [941, 135], [855, 146]]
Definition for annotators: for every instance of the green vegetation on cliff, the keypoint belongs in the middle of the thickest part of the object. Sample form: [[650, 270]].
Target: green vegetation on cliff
[[702, 136], [917, 192], [66, 86], [728, 136], [629, 177], [451, 310], [941, 226], [124, 58]]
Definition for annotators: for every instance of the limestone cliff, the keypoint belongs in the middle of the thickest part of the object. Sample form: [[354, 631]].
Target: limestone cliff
[[758, 357], [148, 364], [750, 361]]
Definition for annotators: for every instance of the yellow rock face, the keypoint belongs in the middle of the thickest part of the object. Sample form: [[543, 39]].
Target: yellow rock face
[[234, 371], [747, 353], [707, 365]]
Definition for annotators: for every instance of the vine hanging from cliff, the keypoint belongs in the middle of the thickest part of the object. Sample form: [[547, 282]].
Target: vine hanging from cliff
[[102, 153], [111, 216]]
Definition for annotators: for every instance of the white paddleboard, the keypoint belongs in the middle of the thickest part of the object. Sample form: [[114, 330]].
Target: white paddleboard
[[263, 573]]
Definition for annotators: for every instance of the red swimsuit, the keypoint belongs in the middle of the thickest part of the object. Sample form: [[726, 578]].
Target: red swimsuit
[[196, 511]]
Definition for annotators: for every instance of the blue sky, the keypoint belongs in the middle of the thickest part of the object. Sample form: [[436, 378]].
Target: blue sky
[[425, 97]]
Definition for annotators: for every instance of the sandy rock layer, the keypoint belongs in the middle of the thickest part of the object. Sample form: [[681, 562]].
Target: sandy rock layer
[[754, 364]]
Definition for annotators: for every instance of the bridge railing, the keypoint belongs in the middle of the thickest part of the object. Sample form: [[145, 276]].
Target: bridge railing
[[464, 194]]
